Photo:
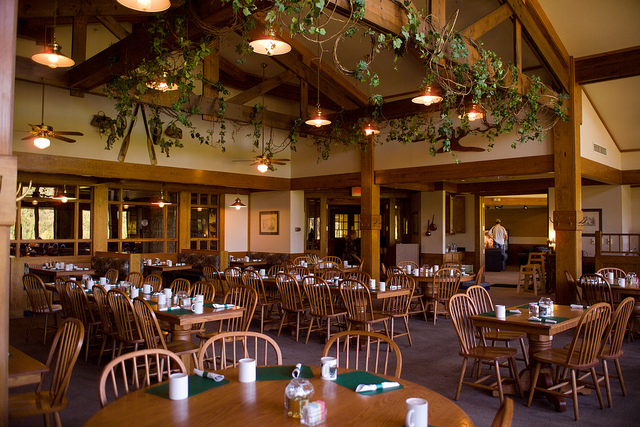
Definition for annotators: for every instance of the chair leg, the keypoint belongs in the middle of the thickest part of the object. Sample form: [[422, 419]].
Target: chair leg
[[46, 325], [284, 314], [309, 331], [406, 325], [619, 370], [607, 382], [45, 417], [499, 379], [525, 353], [56, 419], [514, 372], [534, 381], [597, 384], [574, 392], [33, 319], [463, 369]]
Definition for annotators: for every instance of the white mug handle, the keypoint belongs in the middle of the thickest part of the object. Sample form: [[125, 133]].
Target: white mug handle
[[409, 416], [325, 370]]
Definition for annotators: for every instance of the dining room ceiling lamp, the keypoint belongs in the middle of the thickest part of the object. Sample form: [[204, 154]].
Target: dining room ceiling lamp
[[268, 44], [430, 96], [317, 120], [371, 128], [146, 5], [51, 55], [238, 203], [263, 166], [162, 84], [41, 141], [474, 112], [62, 195], [161, 202]]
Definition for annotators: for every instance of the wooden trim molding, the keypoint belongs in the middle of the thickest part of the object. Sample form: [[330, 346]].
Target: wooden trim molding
[[599, 172], [616, 64]]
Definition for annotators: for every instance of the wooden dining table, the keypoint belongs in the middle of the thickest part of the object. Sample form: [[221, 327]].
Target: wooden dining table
[[24, 369], [168, 273], [540, 337], [261, 403], [49, 274], [376, 294]]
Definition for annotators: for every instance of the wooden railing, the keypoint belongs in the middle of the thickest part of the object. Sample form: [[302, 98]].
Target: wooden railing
[[621, 250]]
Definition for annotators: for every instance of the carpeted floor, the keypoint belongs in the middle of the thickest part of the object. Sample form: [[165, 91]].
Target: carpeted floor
[[432, 361]]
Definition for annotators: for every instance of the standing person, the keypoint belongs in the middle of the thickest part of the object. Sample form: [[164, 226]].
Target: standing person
[[350, 253], [499, 235]]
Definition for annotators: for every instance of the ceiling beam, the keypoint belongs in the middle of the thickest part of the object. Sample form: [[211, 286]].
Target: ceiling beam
[[488, 22], [262, 88], [599, 172], [507, 187], [343, 180], [515, 201], [111, 24], [617, 64]]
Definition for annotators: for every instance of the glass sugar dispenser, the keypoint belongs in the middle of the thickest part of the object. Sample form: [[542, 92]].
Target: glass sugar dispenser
[[297, 393]]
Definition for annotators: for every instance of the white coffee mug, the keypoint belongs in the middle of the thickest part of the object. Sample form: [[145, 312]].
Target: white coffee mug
[[621, 282], [247, 259], [146, 289], [329, 368], [169, 263], [372, 283], [417, 412], [501, 312], [247, 373], [167, 293], [162, 299], [178, 386], [103, 281], [382, 286], [198, 298], [197, 307], [610, 278], [135, 292], [263, 272]]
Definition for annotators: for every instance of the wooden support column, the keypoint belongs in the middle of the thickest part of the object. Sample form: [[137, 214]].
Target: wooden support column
[[568, 191], [100, 218], [79, 45], [478, 227], [324, 227], [184, 223], [438, 8], [8, 178], [211, 70], [370, 219], [391, 222]]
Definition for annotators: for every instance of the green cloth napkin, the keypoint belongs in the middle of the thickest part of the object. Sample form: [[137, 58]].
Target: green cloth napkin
[[276, 373], [557, 319], [196, 386], [493, 314], [523, 306], [178, 311], [352, 379]]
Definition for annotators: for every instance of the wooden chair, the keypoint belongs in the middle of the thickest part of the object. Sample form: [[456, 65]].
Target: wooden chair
[[398, 307], [292, 302], [617, 274], [365, 351], [320, 267], [417, 305], [539, 259], [446, 282], [452, 264], [226, 349], [332, 258], [595, 289], [529, 276], [265, 303], [65, 348], [233, 276], [483, 303], [581, 355], [299, 260], [180, 285], [404, 264], [321, 305], [83, 311], [461, 308], [212, 274], [357, 300], [287, 263], [242, 296], [112, 276], [330, 273], [63, 297], [140, 365], [152, 333], [206, 289], [611, 347], [40, 302], [155, 281], [107, 322], [504, 416], [571, 282], [300, 271], [135, 278], [360, 276], [278, 268], [127, 328]]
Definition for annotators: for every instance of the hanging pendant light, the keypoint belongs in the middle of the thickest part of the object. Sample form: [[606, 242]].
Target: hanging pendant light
[[146, 5], [317, 120], [161, 202], [62, 195], [371, 128], [474, 112], [238, 203], [430, 96], [51, 55], [268, 44], [161, 84], [263, 167]]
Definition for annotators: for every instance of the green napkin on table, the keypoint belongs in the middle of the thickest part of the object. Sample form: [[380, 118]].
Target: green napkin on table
[[352, 379], [275, 373], [196, 386]]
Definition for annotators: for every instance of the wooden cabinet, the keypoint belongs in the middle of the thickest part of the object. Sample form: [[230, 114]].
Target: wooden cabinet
[[453, 257], [455, 214]]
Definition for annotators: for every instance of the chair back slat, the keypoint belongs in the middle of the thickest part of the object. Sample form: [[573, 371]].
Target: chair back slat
[[357, 300], [242, 296], [614, 334], [125, 319], [155, 281], [212, 274], [80, 304], [63, 295], [224, 350], [180, 285], [112, 276], [595, 289], [330, 273], [319, 296], [587, 339], [461, 308], [135, 278], [399, 305], [394, 270], [233, 276], [36, 292], [299, 270], [290, 293], [365, 351], [252, 279], [446, 282], [104, 311], [148, 323], [360, 276], [204, 288], [65, 348]]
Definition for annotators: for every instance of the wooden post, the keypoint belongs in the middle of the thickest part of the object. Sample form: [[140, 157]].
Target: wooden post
[[100, 218], [324, 227], [184, 225], [211, 70], [567, 176], [478, 226], [9, 175], [370, 219]]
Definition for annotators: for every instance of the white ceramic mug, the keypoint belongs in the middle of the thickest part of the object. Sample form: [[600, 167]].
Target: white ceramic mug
[[501, 312], [263, 272], [610, 278], [329, 368], [382, 286], [146, 289], [162, 299], [178, 386], [198, 298], [135, 292], [167, 293], [169, 263], [103, 281], [417, 412], [372, 283], [197, 307], [247, 373], [621, 282]]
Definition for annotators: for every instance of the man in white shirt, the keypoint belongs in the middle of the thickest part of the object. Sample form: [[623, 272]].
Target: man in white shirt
[[499, 234]]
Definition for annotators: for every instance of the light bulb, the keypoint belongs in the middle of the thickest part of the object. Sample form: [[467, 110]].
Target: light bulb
[[161, 204], [263, 168], [41, 142], [144, 4], [238, 208], [53, 61], [34, 202], [199, 209], [64, 199]]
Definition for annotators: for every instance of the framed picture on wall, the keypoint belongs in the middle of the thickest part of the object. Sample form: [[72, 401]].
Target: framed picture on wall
[[592, 221], [270, 222]]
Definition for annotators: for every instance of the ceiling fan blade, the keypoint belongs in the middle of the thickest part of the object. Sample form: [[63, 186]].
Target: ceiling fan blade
[[236, 161], [280, 160], [63, 132], [35, 127], [29, 137], [278, 163], [62, 138]]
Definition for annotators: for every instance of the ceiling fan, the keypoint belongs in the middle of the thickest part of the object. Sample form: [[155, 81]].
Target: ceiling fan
[[41, 133]]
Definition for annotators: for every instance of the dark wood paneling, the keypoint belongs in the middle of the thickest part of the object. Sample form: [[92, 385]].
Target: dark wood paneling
[[608, 66]]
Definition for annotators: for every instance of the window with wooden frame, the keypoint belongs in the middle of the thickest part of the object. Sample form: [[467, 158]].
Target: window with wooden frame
[[204, 221]]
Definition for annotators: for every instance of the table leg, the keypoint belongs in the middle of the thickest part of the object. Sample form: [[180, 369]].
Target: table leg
[[540, 343], [183, 333]]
